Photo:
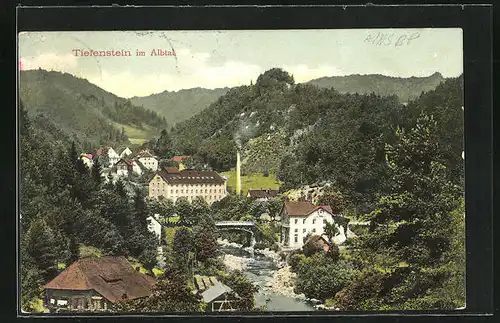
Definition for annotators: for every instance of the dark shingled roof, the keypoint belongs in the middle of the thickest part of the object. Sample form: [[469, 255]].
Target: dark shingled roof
[[144, 154], [187, 176], [303, 208], [125, 161], [263, 193], [112, 277]]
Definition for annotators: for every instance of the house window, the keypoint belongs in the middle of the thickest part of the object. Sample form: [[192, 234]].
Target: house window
[[176, 191], [296, 238], [296, 230], [182, 191], [324, 221], [303, 230], [304, 221], [314, 230], [171, 191], [296, 221], [314, 221], [196, 191]]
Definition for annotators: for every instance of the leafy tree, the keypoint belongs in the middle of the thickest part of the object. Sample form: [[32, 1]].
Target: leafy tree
[[243, 287], [184, 210], [170, 295], [334, 199], [205, 241], [412, 224], [331, 231], [318, 277]]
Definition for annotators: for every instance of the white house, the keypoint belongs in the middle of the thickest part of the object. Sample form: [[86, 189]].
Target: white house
[[301, 218], [112, 156], [154, 226], [87, 160], [123, 167], [125, 152], [149, 161], [136, 168]]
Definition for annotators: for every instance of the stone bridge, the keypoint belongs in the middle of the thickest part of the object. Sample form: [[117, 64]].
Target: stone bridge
[[246, 226]]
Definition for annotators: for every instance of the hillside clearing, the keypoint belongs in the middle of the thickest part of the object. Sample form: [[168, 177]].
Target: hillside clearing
[[254, 181]]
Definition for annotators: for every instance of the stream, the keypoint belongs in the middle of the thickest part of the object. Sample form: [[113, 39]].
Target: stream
[[260, 269]]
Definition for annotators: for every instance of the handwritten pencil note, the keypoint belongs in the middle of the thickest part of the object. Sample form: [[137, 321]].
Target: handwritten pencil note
[[395, 39]]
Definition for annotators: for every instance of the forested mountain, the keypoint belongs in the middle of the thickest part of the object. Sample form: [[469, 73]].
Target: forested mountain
[[404, 88], [64, 106], [177, 106], [308, 134], [181, 105]]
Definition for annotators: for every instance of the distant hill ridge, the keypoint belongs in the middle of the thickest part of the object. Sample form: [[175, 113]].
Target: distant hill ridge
[[177, 106], [405, 88]]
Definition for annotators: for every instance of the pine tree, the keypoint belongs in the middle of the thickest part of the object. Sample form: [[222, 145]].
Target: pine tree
[[97, 172], [74, 250], [40, 245], [140, 206]]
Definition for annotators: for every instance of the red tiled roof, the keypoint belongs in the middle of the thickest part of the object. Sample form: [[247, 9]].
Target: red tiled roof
[[186, 176], [316, 237], [263, 193], [304, 208], [112, 277], [178, 159]]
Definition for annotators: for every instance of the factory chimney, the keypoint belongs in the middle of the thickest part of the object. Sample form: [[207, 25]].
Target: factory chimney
[[238, 174]]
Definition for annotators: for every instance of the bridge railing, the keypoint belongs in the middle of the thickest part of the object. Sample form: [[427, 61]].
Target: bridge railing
[[233, 223]]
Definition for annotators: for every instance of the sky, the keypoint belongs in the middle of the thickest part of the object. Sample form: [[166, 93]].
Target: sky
[[214, 59]]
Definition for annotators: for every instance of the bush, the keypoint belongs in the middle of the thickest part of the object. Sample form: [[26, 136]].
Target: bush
[[318, 277], [295, 260]]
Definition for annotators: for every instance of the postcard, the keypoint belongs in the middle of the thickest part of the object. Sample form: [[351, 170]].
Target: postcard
[[241, 171]]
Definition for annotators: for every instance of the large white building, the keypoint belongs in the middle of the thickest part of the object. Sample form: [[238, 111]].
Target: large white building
[[149, 161], [174, 184], [298, 219]]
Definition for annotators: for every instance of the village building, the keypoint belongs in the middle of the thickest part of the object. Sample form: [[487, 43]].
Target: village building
[[112, 156], [262, 195], [298, 219], [107, 152], [87, 160], [321, 240], [217, 296], [179, 159], [154, 226], [94, 284], [148, 160], [123, 167], [126, 152], [173, 184]]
